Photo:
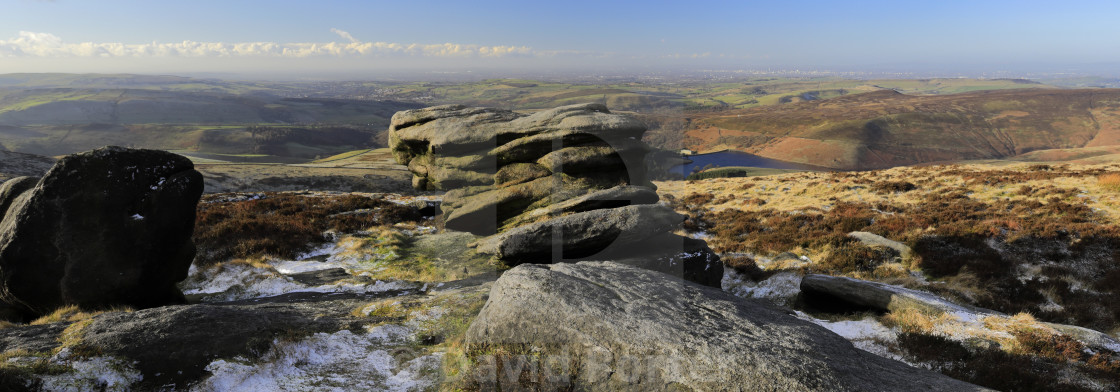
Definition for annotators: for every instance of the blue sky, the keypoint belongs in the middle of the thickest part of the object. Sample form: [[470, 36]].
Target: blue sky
[[231, 35]]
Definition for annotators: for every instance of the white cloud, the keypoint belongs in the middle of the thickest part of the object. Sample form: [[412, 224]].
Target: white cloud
[[32, 44], [346, 35]]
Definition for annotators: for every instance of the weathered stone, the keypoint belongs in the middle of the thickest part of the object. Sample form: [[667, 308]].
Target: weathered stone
[[485, 212], [606, 326], [106, 227], [484, 140], [619, 196], [686, 258], [440, 129], [12, 188], [451, 178], [574, 160], [872, 239], [580, 235], [519, 173]]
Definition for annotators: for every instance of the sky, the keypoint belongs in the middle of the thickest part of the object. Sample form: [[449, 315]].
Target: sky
[[325, 36]]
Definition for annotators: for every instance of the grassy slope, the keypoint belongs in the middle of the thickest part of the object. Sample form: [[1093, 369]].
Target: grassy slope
[[885, 128]]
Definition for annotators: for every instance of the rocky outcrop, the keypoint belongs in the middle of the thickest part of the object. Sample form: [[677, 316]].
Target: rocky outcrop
[[565, 184], [602, 325], [102, 228], [517, 162]]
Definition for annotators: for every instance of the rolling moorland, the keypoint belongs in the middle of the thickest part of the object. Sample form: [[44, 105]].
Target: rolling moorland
[[1025, 202], [885, 128], [824, 122]]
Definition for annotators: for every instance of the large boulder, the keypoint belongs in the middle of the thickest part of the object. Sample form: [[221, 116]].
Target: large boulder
[[605, 326], [102, 228]]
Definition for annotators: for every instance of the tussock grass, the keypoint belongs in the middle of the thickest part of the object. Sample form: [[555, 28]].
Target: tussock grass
[[383, 309], [1109, 181], [72, 313]]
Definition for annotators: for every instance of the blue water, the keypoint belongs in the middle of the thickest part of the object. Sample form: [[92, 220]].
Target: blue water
[[735, 158]]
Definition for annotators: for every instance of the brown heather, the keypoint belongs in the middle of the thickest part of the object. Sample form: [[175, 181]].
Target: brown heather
[[285, 224]]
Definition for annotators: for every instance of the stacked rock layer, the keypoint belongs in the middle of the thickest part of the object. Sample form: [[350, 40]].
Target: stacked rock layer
[[565, 184]]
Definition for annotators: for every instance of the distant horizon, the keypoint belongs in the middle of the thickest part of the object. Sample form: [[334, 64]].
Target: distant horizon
[[601, 75], [351, 37]]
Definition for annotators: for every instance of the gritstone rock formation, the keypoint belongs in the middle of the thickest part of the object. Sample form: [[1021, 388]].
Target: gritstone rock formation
[[606, 326], [564, 184], [106, 227]]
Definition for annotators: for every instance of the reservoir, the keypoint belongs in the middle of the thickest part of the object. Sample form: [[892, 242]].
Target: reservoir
[[736, 158]]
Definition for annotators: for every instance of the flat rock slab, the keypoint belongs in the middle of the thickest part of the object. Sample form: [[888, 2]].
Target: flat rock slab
[[622, 328]]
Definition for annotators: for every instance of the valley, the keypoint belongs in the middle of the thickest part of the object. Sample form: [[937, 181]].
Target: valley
[[986, 210]]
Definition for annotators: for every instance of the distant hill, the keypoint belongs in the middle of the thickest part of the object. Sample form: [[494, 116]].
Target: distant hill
[[886, 128], [56, 121], [14, 164]]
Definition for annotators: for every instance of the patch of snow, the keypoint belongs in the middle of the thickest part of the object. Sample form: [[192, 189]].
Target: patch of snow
[[701, 235], [866, 334], [340, 361], [233, 282], [91, 374], [323, 250], [780, 287]]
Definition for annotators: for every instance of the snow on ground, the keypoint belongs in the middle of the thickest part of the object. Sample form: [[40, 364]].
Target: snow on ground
[[341, 361], [90, 374], [236, 280], [779, 288], [866, 334], [231, 282], [383, 358]]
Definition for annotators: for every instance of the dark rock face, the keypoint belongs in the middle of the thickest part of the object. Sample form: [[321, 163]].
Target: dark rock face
[[560, 185], [106, 227], [605, 326]]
